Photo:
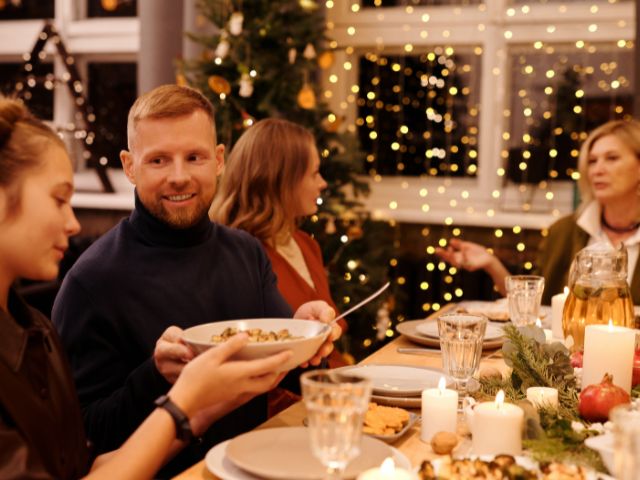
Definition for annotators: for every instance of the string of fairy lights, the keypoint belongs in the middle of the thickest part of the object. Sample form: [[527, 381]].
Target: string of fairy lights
[[417, 107]]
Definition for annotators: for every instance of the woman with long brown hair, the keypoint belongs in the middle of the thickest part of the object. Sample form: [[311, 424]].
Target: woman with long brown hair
[[272, 181]]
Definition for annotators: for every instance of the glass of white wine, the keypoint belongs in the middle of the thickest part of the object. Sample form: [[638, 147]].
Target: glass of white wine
[[336, 404]]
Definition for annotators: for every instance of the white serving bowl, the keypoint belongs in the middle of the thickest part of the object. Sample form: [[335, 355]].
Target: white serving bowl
[[603, 444], [314, 333]]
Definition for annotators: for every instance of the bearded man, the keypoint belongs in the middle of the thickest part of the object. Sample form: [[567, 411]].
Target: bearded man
[[166, 267]]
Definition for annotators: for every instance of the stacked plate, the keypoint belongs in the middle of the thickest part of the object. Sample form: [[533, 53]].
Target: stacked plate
[[285, 454], [398, 385], [425, 332], [430, 329]]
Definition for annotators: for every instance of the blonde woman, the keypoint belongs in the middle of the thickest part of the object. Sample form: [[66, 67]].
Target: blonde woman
[[272, 180], [609, 166]]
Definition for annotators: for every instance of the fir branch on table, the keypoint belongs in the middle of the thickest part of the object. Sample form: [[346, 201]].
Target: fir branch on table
[[490, 386], [560, 442], [556, 450], [535, 363], [635, 391]]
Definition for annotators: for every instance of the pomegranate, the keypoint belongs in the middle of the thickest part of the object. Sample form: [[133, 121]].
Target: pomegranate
[[636, 369], [597, 400], [576, 359]]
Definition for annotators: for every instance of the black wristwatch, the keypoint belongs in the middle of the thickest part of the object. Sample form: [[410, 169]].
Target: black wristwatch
[[183, 429]]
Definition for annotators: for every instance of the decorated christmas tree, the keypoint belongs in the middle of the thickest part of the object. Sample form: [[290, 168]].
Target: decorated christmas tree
[[265, 61]]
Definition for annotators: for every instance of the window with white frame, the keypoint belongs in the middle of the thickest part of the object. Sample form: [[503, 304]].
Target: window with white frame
[[544, 74], [102, 38]]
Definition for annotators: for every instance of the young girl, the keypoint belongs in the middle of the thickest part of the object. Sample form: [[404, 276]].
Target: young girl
[[271, 181], [41, 433]]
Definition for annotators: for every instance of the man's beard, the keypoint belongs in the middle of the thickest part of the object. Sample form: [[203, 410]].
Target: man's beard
[[179, 218]]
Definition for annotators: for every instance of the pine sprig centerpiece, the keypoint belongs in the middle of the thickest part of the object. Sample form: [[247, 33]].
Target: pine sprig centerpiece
[[560, 441], [535, 362]]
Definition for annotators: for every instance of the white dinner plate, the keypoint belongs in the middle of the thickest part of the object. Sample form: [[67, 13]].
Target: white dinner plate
[[430, 329], [217, 463], [408, 328], [397, 380], [285, 454], [498, 310]]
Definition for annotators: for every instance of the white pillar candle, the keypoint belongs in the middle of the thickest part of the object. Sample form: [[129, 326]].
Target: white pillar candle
[[387, 471], [543, 397], [497, 427], [557, 306], [439, 411], [608, 349]]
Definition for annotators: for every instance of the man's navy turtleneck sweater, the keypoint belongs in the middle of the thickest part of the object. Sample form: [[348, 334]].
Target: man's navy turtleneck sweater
[[127, 288]]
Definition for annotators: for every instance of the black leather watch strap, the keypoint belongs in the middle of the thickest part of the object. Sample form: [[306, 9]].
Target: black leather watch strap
[[183, 429]]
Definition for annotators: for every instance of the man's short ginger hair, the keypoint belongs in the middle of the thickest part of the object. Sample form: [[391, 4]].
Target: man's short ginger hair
[[168, 101]]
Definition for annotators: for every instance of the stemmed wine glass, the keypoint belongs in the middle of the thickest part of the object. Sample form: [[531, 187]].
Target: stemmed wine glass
[[336, 404], [461, 337]]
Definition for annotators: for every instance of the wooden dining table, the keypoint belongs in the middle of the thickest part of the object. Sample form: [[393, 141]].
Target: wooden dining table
[[410, 444]]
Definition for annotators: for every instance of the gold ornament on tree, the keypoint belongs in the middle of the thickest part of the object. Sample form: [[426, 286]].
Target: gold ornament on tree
[[330, 226], [246, 86], [325, 60], [219, 85], [309, 52], [307, 97], [222, 49], [181, 80], [109, 5], [293, 53], [308, 4], [235, 23]]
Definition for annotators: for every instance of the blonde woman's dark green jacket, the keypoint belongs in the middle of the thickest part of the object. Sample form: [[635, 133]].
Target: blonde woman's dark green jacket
[[557, 251]]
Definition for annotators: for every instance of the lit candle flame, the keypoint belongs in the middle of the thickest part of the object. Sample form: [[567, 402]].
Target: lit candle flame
[[538, 323], [500, 399], [611, 325], [566, 290], [442, 385], [388, 467]]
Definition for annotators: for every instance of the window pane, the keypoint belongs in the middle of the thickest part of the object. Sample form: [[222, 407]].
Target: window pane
[[559, 94], [112, 90], [418, 114], [112, 8], [26, 9], [39, 99]]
